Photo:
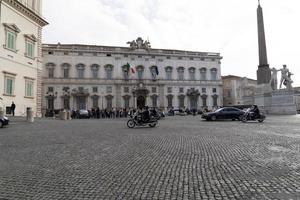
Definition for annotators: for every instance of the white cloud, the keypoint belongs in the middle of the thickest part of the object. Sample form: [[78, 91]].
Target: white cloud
[[228, 27]]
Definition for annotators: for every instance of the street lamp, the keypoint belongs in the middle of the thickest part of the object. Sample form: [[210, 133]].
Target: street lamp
[[102, 94]]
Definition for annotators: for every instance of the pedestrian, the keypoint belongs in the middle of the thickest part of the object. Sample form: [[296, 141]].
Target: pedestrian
[[12, 108]]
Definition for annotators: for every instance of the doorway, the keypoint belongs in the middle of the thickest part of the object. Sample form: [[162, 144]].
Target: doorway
[[81, 102], [141, 101]]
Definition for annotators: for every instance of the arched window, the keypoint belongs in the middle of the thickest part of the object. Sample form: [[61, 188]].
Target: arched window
[[170, 101], [154, 72], [126, 99], [95, 69], [109, 99], [180, 71], [95, 100], [192, 73], [125, 71], [80, 70], [169, 71], [215, 100], [65, 70], [203, 73], [213, 74], [140, 72], [51, 68], [181, 101], [109, 71]]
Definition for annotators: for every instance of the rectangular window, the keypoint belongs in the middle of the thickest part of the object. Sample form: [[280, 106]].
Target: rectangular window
[[11, 40], [126, 89], [28, 88], [66, 89], [181, 90], [153, 89], [109, 89], [95, 89], [9, 85], [169, 89], [50, 89], [203, 90], [214, 90], [29, 49]]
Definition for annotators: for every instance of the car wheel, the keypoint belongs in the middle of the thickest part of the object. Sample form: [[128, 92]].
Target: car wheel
[[213, 118], [233, 119], [1, 124]]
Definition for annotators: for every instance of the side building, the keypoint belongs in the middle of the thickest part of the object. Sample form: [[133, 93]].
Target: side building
[[238, 90], [21, 25], [84, 77]]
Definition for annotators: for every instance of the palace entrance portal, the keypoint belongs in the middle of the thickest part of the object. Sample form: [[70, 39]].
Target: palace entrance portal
[[141, 101], [140, 93]]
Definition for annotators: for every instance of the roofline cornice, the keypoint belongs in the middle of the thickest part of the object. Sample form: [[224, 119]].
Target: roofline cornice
[[26, 11], [126, 50]]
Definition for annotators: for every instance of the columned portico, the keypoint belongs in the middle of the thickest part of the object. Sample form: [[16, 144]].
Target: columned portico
[[141, 93], [194, 98]]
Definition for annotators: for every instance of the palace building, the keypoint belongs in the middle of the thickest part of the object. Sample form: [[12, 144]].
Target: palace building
[[21, 25], [86, 76]]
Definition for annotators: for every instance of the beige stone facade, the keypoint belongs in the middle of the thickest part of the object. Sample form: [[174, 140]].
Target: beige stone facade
[[238, 90], [84, 77], [20, 54]]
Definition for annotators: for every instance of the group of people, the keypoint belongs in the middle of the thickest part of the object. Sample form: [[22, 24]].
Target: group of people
[[98, 113]]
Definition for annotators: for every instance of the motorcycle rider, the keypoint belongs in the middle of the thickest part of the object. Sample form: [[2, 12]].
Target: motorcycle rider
[[255, 111], [146, 114]]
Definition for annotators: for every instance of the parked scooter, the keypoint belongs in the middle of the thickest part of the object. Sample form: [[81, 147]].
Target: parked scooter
[[251, 116], [137, 119]]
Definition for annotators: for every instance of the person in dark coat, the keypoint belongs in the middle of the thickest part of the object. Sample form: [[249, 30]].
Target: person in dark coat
[[13, 107]]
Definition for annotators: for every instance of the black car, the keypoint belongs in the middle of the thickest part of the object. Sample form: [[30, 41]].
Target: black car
[[224, 113]]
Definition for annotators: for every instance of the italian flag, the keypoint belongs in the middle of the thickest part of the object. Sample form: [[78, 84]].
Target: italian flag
[[130, 69]]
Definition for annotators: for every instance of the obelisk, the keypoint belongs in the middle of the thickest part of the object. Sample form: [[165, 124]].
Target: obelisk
[[263, 72]]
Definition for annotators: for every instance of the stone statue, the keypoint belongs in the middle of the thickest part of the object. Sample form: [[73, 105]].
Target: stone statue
[[133, 44], [286, 78], [273, 81], [139, 43]]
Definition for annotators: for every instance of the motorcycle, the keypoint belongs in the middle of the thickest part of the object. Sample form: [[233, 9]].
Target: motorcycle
[[137, 120], [250, 116], [3, 121]]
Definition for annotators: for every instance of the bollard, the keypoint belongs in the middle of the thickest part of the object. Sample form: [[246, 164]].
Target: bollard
[[63, 115], [44, 110], [69, 115], [30, 117]]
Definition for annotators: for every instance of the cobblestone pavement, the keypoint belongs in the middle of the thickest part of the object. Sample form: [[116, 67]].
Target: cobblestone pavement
[[182, 158]]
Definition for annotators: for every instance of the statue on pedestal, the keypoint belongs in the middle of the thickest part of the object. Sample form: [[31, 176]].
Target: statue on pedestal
[[286, 78], [273, 81]]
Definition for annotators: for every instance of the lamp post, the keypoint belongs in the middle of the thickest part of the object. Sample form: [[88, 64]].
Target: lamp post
[[102, 94]]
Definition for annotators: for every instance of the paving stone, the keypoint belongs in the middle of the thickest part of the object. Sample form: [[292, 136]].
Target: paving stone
[[182, 158]]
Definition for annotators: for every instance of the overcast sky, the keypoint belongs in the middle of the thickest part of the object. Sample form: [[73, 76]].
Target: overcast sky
[[228, 27]]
